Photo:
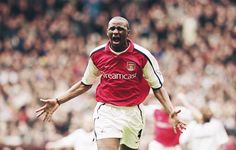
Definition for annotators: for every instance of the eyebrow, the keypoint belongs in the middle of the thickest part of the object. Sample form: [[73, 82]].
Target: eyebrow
[[123, 27], [119, 26]]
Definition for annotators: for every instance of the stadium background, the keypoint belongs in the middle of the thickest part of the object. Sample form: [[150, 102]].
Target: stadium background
[[44, 48]]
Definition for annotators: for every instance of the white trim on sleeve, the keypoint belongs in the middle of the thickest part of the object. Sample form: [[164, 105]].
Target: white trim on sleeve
[[151, 70], [153, 77]]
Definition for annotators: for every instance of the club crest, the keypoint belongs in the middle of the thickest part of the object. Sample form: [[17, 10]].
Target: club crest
[[131, 66]]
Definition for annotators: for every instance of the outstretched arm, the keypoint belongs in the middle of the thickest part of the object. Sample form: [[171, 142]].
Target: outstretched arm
[[153, 76], [76, 90], [51, 105], [162, 95]]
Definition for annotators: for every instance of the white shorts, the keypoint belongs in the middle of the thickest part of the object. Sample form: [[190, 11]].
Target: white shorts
[[126, 123]]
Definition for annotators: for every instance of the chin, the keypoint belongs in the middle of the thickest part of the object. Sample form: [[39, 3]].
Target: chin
[[116, 47]]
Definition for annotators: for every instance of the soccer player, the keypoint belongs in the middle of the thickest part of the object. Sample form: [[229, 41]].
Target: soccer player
[[165, 138], [204, 132], [80, 139], [127, 72]]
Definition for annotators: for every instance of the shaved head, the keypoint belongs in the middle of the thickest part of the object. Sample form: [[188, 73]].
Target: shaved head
[[118, 33], [120, 19]]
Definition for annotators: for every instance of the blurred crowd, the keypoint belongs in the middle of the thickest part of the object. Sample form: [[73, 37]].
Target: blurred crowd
[[45, 45]]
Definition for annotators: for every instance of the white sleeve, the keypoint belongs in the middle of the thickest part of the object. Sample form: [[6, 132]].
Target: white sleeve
[[66, 142], [152, 73], [186, 137], [90, 74], [222, 136]]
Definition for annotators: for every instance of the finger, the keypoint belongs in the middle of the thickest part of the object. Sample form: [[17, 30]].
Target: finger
[[182, 124], [45, 117], [44, 100], [40, 114], [175, 113], [181, 127], [178, 112], [41, 108], [50, 118], [174, 129]]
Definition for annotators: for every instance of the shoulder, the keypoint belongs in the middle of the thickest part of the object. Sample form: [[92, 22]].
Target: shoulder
[[97, 49], [217, 123], [141, 49], [145, 52]]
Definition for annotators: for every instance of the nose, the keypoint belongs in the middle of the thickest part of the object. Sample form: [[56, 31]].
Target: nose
[[115, 31]]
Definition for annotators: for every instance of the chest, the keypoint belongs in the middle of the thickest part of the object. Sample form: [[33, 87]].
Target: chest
[[122, 63]]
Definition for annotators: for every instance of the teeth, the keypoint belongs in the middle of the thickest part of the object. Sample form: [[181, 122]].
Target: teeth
[[116, 39]]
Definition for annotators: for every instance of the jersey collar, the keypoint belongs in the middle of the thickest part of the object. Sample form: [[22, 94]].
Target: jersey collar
[[130, 48]]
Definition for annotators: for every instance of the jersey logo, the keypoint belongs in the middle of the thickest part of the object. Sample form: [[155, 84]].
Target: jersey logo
[[131, 66]]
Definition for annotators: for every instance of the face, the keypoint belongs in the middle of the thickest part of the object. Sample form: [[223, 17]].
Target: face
[[117, 33]]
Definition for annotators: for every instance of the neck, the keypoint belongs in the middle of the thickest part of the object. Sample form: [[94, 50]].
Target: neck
[[120, 48]]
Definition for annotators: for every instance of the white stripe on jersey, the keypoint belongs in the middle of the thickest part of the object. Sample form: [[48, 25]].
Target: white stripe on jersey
[[151, 70], [97, 48]]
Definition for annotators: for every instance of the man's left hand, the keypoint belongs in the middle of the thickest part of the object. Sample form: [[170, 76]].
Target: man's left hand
[[176, 122]]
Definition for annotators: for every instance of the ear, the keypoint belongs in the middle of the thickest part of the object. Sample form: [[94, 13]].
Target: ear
[[107, 32], [128, 32]]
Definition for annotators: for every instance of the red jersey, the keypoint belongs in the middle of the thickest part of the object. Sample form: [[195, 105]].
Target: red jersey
[[164, 132], [122, 74]]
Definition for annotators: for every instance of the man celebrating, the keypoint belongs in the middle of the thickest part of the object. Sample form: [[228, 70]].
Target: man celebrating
[[127, 72]]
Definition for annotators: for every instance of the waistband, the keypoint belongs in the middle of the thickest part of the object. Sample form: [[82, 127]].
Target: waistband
[[120, 107]]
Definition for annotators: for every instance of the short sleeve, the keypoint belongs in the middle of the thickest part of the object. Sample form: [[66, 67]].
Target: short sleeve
[[152, 73], [222, 136], [91, 73]]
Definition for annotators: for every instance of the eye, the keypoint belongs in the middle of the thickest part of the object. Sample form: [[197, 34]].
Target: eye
[[120, 29], [112, 28]]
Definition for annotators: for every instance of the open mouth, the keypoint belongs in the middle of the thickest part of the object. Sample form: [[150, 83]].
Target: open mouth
[[115, 40]]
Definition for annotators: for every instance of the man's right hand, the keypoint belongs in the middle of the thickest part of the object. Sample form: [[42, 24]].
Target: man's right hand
[[49, 107]]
